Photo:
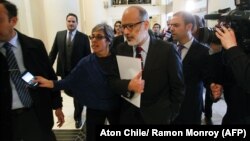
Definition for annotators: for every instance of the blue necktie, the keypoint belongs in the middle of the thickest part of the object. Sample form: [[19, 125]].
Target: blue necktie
[[15, 75], [179, 48]]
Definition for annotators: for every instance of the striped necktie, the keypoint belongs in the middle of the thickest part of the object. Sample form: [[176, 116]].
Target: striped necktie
[[16, 76]]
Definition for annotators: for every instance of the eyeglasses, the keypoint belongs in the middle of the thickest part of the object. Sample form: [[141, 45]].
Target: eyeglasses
[[131, 26], [156, 27], [98, 37], [118, 25]]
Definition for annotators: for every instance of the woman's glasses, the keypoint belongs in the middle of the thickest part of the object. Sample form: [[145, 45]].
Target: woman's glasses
[[98, 37]]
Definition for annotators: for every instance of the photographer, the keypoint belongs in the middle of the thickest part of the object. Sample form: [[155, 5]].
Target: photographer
[[234, 75]]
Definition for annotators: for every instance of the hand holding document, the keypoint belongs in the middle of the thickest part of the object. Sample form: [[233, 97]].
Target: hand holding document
[[136, 84], [130, 68]]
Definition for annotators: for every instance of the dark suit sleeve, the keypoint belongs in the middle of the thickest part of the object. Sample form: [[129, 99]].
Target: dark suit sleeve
[[87, 46], [5, 101], [56, 95], [54, 51], [240, 65], [217, 67], [176, 81], [208, 74], [121, 87], [117, 85]]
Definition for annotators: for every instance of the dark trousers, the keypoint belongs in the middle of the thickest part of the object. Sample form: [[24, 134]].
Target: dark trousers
[[78, 107], [98, 117], [26, 127], [78, 110], [130, 114]]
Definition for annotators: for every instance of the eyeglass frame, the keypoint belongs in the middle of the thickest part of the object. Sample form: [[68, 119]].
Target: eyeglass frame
[[91, 37], [118, 25], [131, 26]]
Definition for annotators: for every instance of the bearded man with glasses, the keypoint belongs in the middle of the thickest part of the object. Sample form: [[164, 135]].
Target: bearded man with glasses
[[163, 92]]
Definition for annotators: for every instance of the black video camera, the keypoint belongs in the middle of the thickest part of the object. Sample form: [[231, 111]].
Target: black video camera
[[238, 19]]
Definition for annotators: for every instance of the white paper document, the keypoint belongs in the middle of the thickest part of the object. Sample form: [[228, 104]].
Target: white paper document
[[129, 67]]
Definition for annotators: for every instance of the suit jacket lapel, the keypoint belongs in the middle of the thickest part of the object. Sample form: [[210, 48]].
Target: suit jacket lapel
[[75, 42], [190, 52], [63, 39], [27, 50], [151, 55]]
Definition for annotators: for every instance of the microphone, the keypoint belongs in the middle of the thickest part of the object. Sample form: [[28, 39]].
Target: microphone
[[212, 16]]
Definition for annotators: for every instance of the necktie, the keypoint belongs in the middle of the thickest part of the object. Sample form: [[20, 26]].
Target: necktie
[[69, 39], [15, 75], [138, 54], [179, 48]]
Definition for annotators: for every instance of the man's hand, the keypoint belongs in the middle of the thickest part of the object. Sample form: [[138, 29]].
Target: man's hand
[[136, 84], [226, 36], [216, 90], [60, 117], [43, 82]]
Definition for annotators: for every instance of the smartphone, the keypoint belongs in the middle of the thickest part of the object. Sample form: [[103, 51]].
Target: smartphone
[[29, 79]]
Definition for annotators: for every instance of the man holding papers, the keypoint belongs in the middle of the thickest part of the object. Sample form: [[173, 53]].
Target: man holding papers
[[163, 91]]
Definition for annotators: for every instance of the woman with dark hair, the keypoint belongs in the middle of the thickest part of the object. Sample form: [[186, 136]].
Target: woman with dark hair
[[89, 81], [118, 28]]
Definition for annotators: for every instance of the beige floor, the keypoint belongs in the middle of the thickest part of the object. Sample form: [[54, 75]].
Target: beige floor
[[219, 110], [68, 110]]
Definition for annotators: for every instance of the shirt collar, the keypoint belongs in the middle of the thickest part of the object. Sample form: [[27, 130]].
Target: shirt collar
[[145, 45], [73, 32], [13, 41], [188, 44]]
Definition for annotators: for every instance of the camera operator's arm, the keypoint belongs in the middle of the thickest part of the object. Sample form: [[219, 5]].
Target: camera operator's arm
[[236, 57], [227, 37]]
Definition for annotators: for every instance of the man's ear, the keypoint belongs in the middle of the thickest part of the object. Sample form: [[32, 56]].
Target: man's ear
[[146, 24], [13, 21], [190, 27]]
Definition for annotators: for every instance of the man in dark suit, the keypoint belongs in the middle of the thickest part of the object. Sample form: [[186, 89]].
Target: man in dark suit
[[71, 46], [5, 101], [163, 93], [32, 120], [195, 60]]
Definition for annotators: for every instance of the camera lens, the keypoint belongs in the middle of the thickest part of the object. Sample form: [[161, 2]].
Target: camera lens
[[207, 35]]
